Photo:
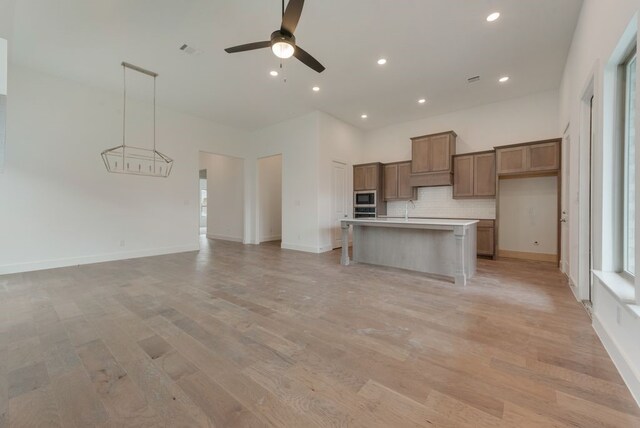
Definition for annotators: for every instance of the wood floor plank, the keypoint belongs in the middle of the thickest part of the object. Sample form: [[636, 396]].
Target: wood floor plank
[[34, 409], [78, 404], [239, 335], [122, 399], [221, 408]]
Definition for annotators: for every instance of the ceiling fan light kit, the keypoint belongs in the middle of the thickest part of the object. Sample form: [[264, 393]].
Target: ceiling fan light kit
[[282, 41], [126, 159], [282, 46]]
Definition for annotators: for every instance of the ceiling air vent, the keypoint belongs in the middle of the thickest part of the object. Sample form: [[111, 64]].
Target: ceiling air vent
[[189, 50], [473, 79]]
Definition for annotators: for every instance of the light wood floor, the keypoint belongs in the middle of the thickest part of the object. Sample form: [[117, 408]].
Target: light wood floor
[[255, 336]]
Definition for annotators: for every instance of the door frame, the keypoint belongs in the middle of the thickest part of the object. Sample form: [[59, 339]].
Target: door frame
[[347, 199], [565, 204], [588, 132]]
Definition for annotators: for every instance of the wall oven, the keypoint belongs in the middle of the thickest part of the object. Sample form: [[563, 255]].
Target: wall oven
[[365, 198], [364, 204]]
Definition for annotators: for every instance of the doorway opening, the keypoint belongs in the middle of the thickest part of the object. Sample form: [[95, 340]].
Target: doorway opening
[[528, 217], [223, 197], [203, 202], [270, 200]]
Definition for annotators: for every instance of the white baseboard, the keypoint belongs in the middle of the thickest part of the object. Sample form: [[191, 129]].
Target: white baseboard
[[98, 258], [298, 247], [224, 237], [271, 238], [629, 375], [325, 248], [574, 289]]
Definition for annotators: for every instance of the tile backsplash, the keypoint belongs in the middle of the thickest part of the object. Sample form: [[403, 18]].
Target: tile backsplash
[[439, 202]]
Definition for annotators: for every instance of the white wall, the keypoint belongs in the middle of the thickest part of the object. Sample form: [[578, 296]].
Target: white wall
[[342, 143], [225, 196], [533, 202], [3, 66], [438, 202], [60, 207], [297, 141], [530, 118], [270, 198], [600, 28]]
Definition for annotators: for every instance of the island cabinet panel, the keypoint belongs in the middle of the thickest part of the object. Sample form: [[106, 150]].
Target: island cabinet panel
[[486, 236], [431, 163], [366, 177], [474, 175], [405, 190], [463, 176], [529, 158], [391, 182], [396, 182], [484, 175]]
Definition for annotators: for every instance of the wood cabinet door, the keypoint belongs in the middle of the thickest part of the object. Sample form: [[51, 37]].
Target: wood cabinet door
[[511, 160], [439, 153], [420, 155], [485, 241], [358, 178], [391, 182], [463, 176], [543, 157], [484, 175], [405, 191], [371, 177]]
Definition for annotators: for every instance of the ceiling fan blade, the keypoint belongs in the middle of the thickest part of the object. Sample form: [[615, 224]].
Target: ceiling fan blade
[[307, 59], [292, 16], [249, 47]]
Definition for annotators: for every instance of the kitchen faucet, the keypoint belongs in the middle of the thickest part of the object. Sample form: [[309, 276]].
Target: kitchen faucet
[[406, 209]]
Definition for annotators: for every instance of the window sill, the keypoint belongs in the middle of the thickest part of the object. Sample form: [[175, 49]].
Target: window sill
[[623, 288]]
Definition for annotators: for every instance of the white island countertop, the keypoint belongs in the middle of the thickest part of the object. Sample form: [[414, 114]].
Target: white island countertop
[[427, 223]]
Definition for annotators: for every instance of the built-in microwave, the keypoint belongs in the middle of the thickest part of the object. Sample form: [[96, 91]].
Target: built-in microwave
[[364, 198]]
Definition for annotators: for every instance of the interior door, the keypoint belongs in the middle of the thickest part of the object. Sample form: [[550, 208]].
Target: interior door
[[339, 203], [566, 200]]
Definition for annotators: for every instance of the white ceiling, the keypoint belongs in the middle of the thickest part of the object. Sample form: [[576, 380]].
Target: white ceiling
[[432, 47]]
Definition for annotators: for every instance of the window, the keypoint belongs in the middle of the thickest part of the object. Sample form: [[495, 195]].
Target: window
[[629, 166]]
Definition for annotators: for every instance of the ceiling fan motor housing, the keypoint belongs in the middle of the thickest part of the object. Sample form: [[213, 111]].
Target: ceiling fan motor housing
[[283, 37]]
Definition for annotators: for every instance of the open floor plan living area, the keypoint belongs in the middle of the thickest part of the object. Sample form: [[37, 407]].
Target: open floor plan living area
[[290, 213]]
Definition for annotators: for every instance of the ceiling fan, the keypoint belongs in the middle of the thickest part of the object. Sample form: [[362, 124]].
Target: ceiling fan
[[283, 42]]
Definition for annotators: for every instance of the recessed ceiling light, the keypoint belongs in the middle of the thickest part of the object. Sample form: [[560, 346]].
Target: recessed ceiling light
[[316, 88], [503, 79], [273, 73], [493, 17], [422, 101], [364, 116], [382, 61]]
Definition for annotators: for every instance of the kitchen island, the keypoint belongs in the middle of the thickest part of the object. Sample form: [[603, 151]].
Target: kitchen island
[[438, 247]]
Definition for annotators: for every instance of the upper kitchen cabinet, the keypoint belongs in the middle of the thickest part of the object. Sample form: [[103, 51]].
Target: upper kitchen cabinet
[[397, 186], [474, 175], [431, 163], [367, 176], [528, 158]]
